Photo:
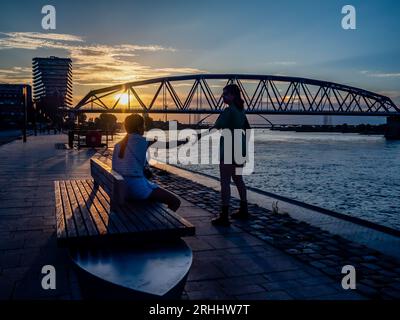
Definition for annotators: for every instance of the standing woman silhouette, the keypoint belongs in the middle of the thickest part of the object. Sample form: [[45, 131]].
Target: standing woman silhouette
[[233, 117]]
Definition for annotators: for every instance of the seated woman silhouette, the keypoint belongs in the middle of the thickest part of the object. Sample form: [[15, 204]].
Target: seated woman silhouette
[[129, 159]]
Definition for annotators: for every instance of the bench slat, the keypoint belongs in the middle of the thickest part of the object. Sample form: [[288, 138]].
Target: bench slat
[[79, 222], [61, 230], [70, 223], [87, 217]]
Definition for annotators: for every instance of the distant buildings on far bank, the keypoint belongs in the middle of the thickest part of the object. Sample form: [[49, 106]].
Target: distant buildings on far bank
[[52, 92], [12, 103]]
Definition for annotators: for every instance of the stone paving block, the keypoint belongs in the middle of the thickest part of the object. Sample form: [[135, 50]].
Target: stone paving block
[[267, 295], [31, 256], [38, 243], [15, 273], [241, 281], [6, 288], [312, 291], [205, 285], [367, 290], [209, 295], [11, 204], [197, 243], [14, 211], [286, 275], [345, 296], [11, 244], [314, 280], [393, 293], [318, 264], [230, 269], [190, 212], [244, 289], [220, 242], [204, 271], [208, 255], [251, 264], [10, 259], [278, 263], [281, 285], [370, 266]]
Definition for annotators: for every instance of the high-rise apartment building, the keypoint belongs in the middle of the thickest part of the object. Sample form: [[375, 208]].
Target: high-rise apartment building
[[52, 84]]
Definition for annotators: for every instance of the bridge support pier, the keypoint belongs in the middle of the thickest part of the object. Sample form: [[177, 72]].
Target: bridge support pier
[[393, 128]]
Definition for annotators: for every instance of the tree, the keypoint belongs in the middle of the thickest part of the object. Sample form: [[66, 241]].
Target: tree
[[107, 122]]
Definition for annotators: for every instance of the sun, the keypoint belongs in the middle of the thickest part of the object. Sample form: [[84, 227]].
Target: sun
[[123, 98]]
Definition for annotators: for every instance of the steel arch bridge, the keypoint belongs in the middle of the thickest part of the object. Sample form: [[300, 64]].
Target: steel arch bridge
[[263, 94]]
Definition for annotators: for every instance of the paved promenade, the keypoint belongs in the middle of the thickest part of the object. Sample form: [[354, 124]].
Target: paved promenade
[[269, 257]]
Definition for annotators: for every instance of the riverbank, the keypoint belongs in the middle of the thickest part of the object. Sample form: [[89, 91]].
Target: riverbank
[[365, 129]]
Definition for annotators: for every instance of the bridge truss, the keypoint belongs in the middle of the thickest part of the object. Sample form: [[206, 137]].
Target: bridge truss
[[263, 94]]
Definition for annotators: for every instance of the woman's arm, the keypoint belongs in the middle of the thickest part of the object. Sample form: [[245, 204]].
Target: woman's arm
[[203, 134], [167, 144]]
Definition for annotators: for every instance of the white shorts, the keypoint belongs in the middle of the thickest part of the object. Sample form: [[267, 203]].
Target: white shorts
[[139, 188]]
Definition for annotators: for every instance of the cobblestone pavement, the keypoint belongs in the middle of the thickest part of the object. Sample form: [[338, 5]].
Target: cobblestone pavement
[[378, 275]]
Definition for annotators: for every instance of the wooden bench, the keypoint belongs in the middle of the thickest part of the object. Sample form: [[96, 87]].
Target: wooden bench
[[100, 228]]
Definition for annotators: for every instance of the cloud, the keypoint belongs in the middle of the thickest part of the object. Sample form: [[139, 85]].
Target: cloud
[[283, 63], [48, 36], [93, 64], [181, 70], [380, 74], [15, 75]]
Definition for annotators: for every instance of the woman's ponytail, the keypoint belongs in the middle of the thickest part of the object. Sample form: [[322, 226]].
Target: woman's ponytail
[[122, 146]]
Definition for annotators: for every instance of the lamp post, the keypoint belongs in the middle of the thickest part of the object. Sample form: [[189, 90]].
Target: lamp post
[[35, 118], [25, 94]]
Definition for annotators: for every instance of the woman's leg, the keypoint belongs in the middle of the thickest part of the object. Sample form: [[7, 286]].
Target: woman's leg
[[225, 171], [243, 212], [225, 178], [240, 185], [164, 196]]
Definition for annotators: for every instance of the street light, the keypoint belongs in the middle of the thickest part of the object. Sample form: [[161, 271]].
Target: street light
[[25, 94]]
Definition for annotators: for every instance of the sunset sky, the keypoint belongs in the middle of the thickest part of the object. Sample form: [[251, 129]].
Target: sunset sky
[[119, 41]]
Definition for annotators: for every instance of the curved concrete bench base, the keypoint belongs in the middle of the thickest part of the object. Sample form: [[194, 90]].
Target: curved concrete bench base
[[150, 271]]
